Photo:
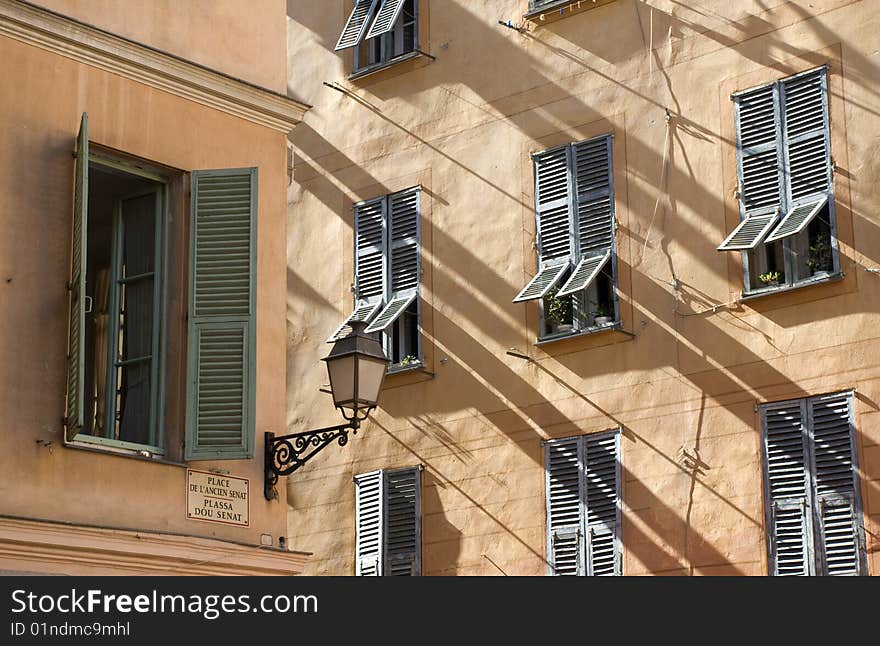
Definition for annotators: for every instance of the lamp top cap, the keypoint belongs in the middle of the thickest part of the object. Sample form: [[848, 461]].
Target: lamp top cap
[[357, 342]]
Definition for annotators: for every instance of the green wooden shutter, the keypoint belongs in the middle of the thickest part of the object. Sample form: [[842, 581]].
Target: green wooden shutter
[[403, 522], [369, 525], [840, 539], [356, 25], [222, 315], [564, 474], [386, 17], [602, 503], [759, 166], [553, 206], [787, 486], [76, 342], [402, 257]]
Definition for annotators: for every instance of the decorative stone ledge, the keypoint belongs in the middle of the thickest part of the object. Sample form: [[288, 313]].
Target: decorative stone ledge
[[46, 547], [93, 46]]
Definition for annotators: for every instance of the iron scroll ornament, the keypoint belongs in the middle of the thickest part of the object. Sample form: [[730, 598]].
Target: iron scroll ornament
[[287, 453]]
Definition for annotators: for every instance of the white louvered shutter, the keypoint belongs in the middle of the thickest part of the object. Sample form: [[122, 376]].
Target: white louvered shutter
[[402, 256], [553, 204], [369, 525], [759, 166], [564, 475], [839, 539], [602, 493], [403, 515], [788, 488], [356, 25], [76, 346], [221, 371], [386, 17]]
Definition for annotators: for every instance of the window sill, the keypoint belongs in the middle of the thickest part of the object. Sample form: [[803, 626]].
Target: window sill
[[561, 9], [415, 367], [378, 67], [596, 329], [761, 293], [133, 454]]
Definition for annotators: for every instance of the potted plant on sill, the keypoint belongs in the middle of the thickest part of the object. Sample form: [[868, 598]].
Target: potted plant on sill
[[770, 279], [602, 315], [409, 361], [557, 312], [819, 258]]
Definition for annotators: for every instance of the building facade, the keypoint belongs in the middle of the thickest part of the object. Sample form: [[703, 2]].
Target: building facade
[[144, 167], [621, 258]]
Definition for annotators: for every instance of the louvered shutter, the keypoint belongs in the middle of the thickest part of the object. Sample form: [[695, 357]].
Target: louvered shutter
[[797, 219], [602, 493], [356, 25], [221, 344], [564, 473], [759, 159], [402, 257], [787, 485], [839, 539], [369, 526], [76, 334], [402, 511], [386, 17], [553, 206]]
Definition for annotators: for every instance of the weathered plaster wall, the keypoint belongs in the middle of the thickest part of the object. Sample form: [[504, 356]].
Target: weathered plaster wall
[[684, 378], [40, 123], [245, 40]]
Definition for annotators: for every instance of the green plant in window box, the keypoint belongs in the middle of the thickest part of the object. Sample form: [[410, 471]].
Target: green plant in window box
[[409, 360], [557, 311], [819, 259], [770, 279]]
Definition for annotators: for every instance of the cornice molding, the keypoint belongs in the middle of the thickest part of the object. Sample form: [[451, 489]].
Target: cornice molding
[[61, 548], [87, 44]]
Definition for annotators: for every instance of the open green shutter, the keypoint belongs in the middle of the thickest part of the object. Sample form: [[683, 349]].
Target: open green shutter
[[76, 337], [222, 315], [602, 502], [564, 489], [787, 486], [839, 537], [369, 526], [403, 522]]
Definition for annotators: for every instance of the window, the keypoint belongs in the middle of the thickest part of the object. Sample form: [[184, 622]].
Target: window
[[387, 261], [381, 32], [811, 485], [129, 258], [577, 264], [583, 505], [388, 523], [788, 234]]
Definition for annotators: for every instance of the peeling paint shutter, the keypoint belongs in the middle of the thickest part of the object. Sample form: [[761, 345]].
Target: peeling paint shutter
[[369, 501], [386, 16], [220, 416], [403, 536], [356, 25], [565, 511], [76, 334], [839, 537], [603, 504], [787, 483]]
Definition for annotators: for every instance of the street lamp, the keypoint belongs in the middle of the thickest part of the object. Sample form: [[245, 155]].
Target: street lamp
[[357, 367]]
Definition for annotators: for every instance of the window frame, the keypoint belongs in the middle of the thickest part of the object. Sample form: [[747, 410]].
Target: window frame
[[386, 41]]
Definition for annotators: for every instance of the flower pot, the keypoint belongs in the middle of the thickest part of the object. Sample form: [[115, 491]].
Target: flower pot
[[602, 320], [561, 328], [771, 283]]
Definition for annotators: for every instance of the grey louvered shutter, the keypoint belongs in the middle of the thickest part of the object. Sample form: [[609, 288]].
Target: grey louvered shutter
[[839, 541], [553, 207], [564, 473], [403, 522], [76, 345], [602, 501], [386, 16], [356, 25], [787, 486], [222, 315], [402, 256], [369, 525], [759, 166]]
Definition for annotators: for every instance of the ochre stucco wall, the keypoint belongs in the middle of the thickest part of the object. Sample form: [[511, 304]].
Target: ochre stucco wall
[[686, 378], [243, 39], [40, 124]]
